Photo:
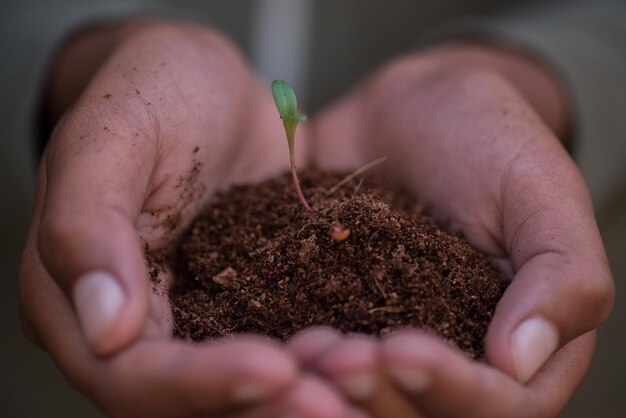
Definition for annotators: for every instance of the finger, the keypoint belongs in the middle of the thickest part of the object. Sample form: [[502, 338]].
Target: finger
[[96, 182], [322, 349], [184, 379], [180, 379], [308, 345], [314, 398], [357, 412], [444, 382], [309, 397], [207, 378], [562, 286], [352, 364]]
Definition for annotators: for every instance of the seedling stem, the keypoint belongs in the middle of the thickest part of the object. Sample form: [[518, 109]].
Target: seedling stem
[[286, 103]]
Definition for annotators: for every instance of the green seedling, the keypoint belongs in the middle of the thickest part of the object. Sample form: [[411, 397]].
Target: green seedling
[[287, 106]]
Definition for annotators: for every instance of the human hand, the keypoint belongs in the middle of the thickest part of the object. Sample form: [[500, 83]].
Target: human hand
[[171, 115], [476, 139]]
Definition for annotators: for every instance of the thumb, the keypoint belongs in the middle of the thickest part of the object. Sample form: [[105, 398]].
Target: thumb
[[562, 286], [95, 185]]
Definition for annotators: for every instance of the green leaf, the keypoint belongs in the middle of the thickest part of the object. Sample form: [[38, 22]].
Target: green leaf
[[285, 100]]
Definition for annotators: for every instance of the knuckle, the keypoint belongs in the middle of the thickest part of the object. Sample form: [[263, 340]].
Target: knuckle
[[58, 237], [55, 231], [597, 292]]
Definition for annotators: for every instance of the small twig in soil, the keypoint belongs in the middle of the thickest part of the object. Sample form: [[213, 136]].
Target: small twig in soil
[[386, 309], [369, 242], [356, 173], [380, 287], [174, 322], [305, 226], [358, 187]]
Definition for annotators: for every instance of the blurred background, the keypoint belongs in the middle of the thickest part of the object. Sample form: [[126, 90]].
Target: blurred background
[[334, 44]]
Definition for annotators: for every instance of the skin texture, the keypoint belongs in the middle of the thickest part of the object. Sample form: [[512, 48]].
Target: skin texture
[[476, 151], [459, 131]]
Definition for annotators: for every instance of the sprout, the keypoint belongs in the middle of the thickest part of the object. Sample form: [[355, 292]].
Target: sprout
[[287, 106]]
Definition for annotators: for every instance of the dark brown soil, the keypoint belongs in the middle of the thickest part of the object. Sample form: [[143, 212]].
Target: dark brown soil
[[258, 262]]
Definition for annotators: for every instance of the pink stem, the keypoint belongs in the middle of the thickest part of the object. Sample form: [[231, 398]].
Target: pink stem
[[296, 183]]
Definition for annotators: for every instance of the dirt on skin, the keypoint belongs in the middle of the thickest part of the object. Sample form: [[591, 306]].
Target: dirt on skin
[[364, 261]]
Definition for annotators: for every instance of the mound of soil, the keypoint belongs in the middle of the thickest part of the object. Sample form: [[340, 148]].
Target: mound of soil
[[256, 261]]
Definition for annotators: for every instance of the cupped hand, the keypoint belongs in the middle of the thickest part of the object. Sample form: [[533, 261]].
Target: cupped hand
[[171, 115], [477, 141]]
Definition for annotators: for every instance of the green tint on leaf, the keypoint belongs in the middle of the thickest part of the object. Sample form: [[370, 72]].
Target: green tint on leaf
[[286, 101]]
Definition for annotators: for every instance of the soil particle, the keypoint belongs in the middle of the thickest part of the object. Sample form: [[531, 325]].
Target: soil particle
[[257, 262], [226, 278]]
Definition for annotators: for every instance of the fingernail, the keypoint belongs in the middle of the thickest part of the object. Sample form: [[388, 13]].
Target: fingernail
[[98, 299], [532, 343], [251, 392], [358, 386], [410, 379]]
